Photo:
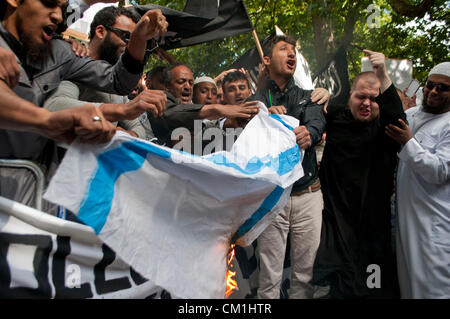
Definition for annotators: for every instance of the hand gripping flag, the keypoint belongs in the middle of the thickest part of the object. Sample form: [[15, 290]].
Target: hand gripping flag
[[173, 216]]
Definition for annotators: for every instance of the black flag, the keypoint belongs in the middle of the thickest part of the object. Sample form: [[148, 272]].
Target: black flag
[[202, 21], [334, 77], [203, 8]]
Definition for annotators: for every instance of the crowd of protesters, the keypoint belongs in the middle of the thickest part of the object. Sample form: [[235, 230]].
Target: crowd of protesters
[[338, 217]]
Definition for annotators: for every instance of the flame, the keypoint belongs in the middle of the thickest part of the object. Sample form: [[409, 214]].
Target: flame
[[231, 283]]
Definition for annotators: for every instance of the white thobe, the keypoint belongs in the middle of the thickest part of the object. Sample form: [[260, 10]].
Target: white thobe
[[423, 198]]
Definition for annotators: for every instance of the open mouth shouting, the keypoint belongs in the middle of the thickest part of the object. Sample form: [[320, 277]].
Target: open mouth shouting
[[48, 32], [186, 97], [291, 63], [364, 111]]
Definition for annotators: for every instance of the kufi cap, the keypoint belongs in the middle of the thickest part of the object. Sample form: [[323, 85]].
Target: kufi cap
[[441, 69], [204, 79]]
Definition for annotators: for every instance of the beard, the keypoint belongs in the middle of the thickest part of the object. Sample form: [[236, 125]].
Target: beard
[[35, 51], [108, 50], [442, 108]]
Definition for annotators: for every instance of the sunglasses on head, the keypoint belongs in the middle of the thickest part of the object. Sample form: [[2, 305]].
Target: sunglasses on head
[[122, 34], [440, 87]]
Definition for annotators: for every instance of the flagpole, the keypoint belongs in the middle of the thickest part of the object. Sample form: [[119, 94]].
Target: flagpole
[[164, 55], [258, 45]]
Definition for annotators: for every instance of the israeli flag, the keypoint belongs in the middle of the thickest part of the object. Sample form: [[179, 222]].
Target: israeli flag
[[173, 216]]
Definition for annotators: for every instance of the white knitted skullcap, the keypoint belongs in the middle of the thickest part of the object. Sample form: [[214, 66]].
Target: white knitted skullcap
[[204, 79], [441, 69]]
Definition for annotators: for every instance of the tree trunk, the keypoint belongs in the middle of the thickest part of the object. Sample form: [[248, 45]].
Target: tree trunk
[[350, 21], [324, 41]]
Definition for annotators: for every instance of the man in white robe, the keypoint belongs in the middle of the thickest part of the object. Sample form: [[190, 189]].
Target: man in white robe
[[423, 192]]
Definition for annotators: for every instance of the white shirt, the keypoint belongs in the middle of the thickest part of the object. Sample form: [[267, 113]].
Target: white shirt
[[423, 197]]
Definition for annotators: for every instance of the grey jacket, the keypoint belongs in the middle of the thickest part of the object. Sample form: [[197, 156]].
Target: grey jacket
[[62, 64]]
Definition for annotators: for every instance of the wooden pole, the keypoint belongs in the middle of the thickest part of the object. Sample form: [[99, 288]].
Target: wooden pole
[[164, 55], [258, 45]]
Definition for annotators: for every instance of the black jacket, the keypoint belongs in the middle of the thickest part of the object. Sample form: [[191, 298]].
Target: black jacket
[[298, 104], [176, 115]]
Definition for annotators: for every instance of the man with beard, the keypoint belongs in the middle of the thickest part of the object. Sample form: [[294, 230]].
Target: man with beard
[[423, 191], [32, 66], [109, 33], [355, 256], [181, 113], [302, 216]]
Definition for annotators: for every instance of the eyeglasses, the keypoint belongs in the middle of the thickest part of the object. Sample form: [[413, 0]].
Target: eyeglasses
[[122, 34], [440, 87]]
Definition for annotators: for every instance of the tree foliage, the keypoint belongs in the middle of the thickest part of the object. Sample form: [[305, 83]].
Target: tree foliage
[[406, 29]]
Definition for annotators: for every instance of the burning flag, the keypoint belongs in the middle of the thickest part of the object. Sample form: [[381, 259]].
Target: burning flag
[[157, 207], [231, 282]]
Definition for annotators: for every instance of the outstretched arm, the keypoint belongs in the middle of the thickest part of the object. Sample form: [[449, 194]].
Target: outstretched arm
[[153, 101], [67, 95], [20, 115], [242, 111]]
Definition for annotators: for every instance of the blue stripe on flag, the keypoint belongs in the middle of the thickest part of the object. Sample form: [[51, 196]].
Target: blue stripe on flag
[[282, 164], [268, 204], [277, 117], [128, 157]]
